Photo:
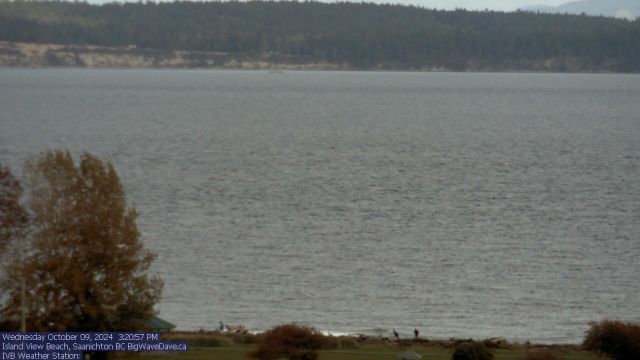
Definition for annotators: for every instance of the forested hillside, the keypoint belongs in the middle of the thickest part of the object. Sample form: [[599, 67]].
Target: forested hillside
[[352, 35]]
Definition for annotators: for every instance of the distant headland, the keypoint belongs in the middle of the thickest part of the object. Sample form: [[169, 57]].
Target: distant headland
[[311, 35]]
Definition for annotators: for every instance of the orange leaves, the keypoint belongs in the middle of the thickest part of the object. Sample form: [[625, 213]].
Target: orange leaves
[[13, 218], [86, 262]]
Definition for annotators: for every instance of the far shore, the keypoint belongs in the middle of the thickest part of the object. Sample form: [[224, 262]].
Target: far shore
[[43, 56]]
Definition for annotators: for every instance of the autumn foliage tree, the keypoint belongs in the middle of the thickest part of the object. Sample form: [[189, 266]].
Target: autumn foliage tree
[[85, 268], [13, 217], [617, 339], [13, 226], [289, 341]]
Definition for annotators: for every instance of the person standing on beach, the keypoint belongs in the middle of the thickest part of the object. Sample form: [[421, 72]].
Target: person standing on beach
[[416, 333]]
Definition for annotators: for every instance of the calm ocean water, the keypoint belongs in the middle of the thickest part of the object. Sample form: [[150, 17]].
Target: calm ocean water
[[466, 205]]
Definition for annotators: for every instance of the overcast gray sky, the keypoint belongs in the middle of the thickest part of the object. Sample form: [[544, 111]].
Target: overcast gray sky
[[504, 5]]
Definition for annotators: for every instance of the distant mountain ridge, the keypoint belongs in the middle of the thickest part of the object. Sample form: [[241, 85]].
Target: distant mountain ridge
[[625, 9]]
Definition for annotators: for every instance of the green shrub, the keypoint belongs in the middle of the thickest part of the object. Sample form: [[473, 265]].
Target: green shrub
[[208, 341], [619, 340], [347, 343], [495, 343], [245, 339], [340, 342], [471, 350], [331, 343]]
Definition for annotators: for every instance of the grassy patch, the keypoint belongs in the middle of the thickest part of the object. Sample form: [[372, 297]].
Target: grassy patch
[[365, 352]]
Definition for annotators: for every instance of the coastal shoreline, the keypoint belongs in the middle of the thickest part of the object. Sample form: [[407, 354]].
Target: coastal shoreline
[[44, 56], [232, 346], [246, 337], [33, 55]]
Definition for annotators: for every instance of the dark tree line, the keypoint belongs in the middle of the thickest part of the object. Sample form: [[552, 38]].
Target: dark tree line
[[361, 35]]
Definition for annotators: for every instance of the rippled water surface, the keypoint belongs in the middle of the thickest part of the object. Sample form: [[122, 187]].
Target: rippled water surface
[[467, 205]]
